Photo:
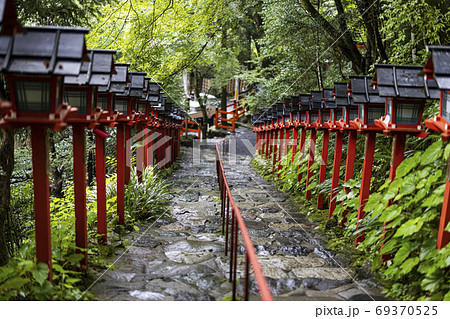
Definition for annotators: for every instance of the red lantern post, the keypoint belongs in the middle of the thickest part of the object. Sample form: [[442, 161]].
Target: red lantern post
[[436, 69], [122, 105], [405, 93], [35, 64]]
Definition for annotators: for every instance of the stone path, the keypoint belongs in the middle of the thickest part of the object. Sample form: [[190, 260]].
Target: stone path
[[181, 255]]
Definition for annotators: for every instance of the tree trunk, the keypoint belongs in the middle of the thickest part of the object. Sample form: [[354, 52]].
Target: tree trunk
[[6, 169], [343, 40], [223, 98], [197, 88]]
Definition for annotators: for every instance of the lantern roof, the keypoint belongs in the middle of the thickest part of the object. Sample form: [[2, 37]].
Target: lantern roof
[[44, 51], [363, 92], [316, 99], [97, 71], [295, 106], [120, 79], [305, 102], [438, 66], [137, 83], [8, 18], [328, 98], [154, 91], [403, 81], [341, 93]]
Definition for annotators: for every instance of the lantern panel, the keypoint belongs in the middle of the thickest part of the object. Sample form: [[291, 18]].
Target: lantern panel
[[122, 106], [407, 113], [314, 117], [352, 114], [325, 116], [446, 106], [374, 113], [32, 96], [302, 117], [338, 114], [77, 99], [102, 102]]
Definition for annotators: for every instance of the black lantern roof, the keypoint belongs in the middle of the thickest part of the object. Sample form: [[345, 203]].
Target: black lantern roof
[[120, 79], [280, 108], [316, 98], [145, 89], [341, 93], [439, 65], [305, 102], [44, 50], [404, 81], [137, 83], [8, 18], [287, 106], [154, 90], [274, 110], [295, 100], [97, 71], [328, 99], [363, 92]]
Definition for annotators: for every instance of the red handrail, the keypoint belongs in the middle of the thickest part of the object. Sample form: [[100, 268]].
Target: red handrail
[[237, 221]]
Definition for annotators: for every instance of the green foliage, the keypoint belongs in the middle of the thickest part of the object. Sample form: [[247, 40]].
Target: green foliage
[[401, 217]]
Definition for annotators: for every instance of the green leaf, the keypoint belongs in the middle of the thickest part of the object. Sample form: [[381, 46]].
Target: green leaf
[[402, 253], [40, 274], [389, 246], [432, 153], [407, 187], [447, 296], [407, 165], [135, 228], [432, 282], [409, 264], [447, 151], [410, 227], [15, 283], [390, 213]]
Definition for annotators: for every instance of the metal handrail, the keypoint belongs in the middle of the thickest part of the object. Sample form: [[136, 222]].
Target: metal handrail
[[237, 221]]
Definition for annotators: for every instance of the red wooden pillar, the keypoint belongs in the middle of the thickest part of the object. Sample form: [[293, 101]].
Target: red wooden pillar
[[269, 143], [139, 152], [349, 165], [145, 146], [336, 172], [151, 150], [398, 152], [127, 153], [280, 151], [79, 181], [274, 149], [351, 151], [302, 150], [312, 150], [160, 148], [100, 171], [39, 146], [294, 144], [365, 179], [120, 154], [443, 236], [287, 136], [323, 165]]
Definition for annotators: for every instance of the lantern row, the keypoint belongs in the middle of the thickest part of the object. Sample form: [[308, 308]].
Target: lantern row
[[54, 81], [391, 103]]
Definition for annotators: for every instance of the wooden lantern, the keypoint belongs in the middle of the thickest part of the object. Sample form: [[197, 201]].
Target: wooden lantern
[[437, 69]]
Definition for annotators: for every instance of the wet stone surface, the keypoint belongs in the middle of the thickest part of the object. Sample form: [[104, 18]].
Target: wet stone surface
[[181, 256]]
